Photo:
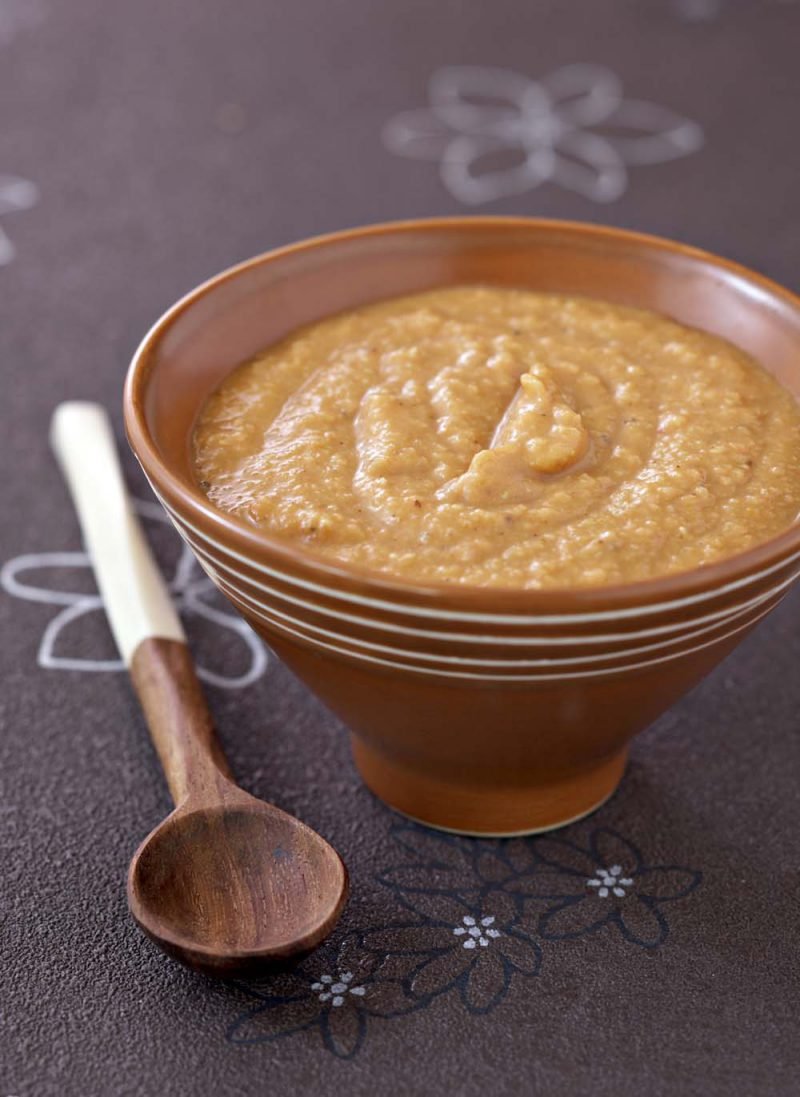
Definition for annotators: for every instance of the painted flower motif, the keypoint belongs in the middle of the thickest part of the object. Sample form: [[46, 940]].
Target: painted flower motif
[[430, 959], [15, 195], [335, 988], [610, 881], [476, 932], [497, 133], [468, 932], [332, 994], [79, 625], [475, 909], [575, 893]]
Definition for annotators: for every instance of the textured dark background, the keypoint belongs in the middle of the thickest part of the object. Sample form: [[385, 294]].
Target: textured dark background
[[168, 140]]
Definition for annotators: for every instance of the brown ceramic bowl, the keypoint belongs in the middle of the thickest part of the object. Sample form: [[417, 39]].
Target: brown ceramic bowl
[[480, 710]]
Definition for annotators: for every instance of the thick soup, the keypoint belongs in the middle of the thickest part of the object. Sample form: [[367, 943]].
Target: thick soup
[[500, 437]]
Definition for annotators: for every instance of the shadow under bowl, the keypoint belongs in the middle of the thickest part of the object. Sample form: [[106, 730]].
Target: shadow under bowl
[[483, 711]]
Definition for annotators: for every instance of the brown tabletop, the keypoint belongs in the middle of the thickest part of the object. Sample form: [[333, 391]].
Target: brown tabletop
[[143, 147]]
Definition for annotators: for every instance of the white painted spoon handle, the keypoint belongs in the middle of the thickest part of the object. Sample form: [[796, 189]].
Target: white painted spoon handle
[[136, 597]]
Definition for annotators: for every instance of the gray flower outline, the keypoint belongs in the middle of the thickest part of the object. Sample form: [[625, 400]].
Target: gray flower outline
[[192, 592], [562, 129]]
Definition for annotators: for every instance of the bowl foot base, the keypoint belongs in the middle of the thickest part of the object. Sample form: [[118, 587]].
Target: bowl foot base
[[486, 812]]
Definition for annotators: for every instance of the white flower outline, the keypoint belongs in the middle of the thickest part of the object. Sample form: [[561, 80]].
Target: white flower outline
[[477, 111], [186, 588], [16, 194]]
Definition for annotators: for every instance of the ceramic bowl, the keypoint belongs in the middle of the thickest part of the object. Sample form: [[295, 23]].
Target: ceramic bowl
[[482, 711]]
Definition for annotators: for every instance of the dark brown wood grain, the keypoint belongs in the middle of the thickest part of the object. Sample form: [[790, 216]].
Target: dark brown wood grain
[[179, 720], [227, 883]]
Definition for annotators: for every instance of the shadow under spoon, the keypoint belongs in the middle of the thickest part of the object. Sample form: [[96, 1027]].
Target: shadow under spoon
[[226, 883]]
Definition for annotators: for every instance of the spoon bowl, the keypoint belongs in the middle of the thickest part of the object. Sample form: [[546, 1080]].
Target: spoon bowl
[[235, 887]]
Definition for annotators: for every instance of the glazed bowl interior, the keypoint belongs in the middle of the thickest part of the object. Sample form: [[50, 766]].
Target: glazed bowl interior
[[245, 309]]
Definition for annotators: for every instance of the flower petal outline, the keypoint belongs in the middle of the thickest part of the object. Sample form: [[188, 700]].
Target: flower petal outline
[[36, 561], [426, 878], [552, 122], [584, 94], [443, 971], [409, 939], [453, 92], [579, 918], [608, 847], [265, 1005], [437, 908], [564, 856], [664, 135], [46, 655], [547, 886], [343, 1031], [474, 188], [683, 882], [259, 660], [388, 998], [418, 134], [591, 168], [186, 591], [436, 847], [484, 985], [641, 922], [521, 951]]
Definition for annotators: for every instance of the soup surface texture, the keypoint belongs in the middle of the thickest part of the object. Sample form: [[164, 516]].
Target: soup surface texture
[[500, 437]]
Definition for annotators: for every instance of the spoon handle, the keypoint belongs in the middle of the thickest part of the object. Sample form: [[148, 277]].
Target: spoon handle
[[143, 619]]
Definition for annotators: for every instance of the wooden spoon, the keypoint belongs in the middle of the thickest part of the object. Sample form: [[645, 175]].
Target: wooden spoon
[[227, 883]]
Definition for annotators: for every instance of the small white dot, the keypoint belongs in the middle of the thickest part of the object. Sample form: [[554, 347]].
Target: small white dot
[[469, 943], [487, 921], [358, 990], [459, 931], [493, 933], [603, 892], [483, 942], [619, 892], [337, 1001], [346, 976], [474, 932], [468, 920]]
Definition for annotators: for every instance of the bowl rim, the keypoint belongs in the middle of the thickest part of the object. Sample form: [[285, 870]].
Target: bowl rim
[[255, 546]]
